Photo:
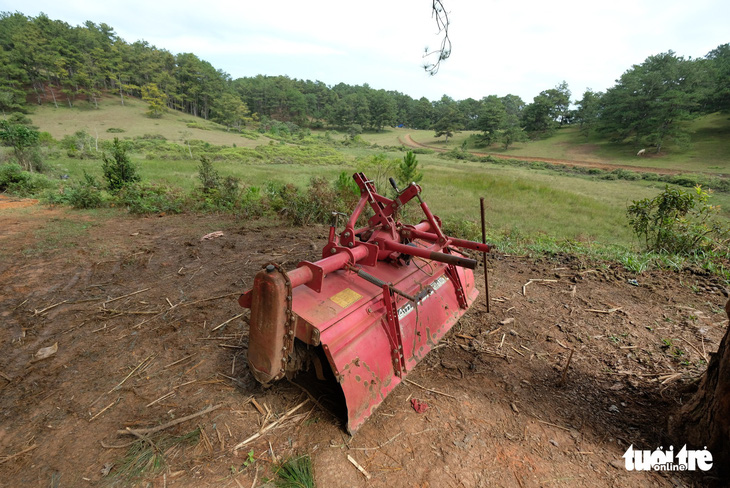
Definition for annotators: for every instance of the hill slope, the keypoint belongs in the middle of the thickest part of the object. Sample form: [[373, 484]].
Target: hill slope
[[131, 119]]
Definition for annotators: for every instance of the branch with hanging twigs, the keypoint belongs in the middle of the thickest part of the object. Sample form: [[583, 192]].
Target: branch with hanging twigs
[[441, 16]]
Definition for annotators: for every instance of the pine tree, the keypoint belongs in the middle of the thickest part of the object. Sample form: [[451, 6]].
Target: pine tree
[[407, 172]]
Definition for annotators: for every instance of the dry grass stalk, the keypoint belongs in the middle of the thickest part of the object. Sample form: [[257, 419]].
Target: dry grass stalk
[[429, 389], [166, 395], [179, 361], [379, 446], [130, 374], [609, 311], [125, 296], [270, 426], [704, 357], [553, 425], [666, 379], [5, 459], [535, 280], [194, 367], [104, 409], [38, 312], [226, 322], [205, 440], [129, 312], [359, 468], [153, 430], [257, 406], [212, 298]]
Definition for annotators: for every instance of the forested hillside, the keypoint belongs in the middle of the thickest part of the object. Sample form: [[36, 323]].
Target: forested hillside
[[49, 61]]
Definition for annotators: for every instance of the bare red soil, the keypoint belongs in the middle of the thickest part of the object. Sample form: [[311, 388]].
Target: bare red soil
[[135, 307]]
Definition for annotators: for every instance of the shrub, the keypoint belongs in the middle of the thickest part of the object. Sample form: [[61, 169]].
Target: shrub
[[118, 168], [678, 221], [80, 145], [315, 204], [347, 190], [379, 168], [22, 183], [196, 125], [24, 141], [208, 175], [86, 194], [140, 198], [407, 170]]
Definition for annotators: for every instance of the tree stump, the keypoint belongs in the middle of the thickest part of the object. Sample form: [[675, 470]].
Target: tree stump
[[705, 419]]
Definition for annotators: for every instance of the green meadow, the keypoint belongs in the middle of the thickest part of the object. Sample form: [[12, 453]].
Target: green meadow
[[532, 203]]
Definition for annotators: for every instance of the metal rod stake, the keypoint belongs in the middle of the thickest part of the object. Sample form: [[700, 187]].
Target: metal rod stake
[[484, 254]]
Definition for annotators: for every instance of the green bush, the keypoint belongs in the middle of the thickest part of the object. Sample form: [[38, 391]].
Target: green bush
[[22, 183], [140, 198], [679, 222], [118, 168], [208, 175], [80, 145], [196, 125], [313, 205], [24, 140], [86, 194], [407, 171]]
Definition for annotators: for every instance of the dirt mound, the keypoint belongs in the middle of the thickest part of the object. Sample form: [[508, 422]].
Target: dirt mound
[[147, 329]]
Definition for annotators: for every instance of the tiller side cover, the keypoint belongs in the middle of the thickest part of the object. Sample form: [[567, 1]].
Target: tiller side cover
[[378, 301]]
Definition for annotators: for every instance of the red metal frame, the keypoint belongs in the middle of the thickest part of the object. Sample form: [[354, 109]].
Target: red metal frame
[[373, 326]]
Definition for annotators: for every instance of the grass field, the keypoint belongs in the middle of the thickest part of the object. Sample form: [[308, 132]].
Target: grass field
[[520, 200], [708, 151], [130, 118]]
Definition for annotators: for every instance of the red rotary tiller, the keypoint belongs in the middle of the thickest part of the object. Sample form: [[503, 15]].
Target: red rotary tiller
[[378, 301]]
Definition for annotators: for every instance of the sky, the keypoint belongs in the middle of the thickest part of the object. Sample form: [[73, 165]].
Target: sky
[[499, 47]]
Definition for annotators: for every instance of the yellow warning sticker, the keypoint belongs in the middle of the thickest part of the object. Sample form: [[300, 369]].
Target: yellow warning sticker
[[345, 298]]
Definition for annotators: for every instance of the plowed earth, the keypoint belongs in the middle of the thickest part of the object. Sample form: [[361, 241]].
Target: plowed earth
[[135, 307]]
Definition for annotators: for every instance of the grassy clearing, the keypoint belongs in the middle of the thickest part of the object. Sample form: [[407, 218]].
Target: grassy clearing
[[709, 151], [531, 209], [528, 202], [519, 200], [132, 121], [183, 173]]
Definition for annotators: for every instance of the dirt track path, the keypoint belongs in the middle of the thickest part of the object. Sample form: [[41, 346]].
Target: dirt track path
[[408, 141]]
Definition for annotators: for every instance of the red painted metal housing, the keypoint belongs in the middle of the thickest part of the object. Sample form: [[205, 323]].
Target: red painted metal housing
[[376, 305]]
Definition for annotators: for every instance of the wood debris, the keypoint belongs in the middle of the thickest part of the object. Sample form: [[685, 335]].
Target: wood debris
[[270, 426], [535, 280], [359, 468], [153, 430]]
